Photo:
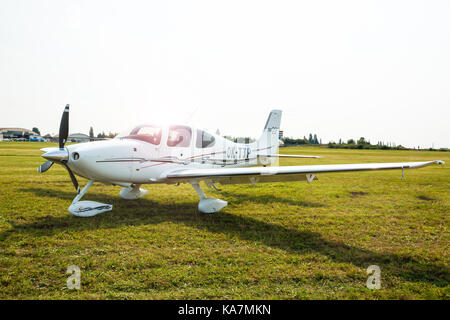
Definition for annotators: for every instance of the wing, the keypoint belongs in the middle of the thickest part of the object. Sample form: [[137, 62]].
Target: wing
[[286, 156], [275, 174]]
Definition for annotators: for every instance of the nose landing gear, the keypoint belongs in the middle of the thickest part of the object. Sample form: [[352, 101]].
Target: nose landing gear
[[87, 208]]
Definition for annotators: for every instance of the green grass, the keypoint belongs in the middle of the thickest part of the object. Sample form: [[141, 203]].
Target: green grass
[[273, 241]]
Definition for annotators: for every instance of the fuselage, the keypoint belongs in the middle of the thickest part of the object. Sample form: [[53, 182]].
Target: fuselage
[[147, 152]]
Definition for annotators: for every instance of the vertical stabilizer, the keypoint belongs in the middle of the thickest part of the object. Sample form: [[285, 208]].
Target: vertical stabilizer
[[268, 143]]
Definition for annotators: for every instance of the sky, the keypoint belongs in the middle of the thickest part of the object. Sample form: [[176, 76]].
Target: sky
[[338, 69]]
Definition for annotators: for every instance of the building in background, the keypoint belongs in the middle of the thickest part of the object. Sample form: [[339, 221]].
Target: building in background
[[16, 133], [22, 134], [78, 137], [74, 137]]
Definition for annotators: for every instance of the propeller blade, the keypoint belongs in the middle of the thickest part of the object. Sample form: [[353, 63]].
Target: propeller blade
[[72, 177], [64, 128], [45, 166]]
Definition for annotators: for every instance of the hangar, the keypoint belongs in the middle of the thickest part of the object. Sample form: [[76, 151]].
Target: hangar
[[75, 137], [16, 133], [78, 137]]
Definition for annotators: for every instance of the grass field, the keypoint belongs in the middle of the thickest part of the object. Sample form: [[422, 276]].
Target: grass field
[[273, 241]]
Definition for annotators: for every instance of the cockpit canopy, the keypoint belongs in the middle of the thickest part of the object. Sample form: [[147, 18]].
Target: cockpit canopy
[[178, 136]]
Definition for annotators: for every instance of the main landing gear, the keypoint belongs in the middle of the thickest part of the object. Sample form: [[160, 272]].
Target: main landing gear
[[208, 205], [133, 192]]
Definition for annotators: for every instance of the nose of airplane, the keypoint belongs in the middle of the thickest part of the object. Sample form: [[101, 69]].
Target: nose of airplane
[[100, 160], [83, 156]]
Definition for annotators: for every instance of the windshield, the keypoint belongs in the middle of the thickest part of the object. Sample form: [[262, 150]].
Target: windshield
[[148, 133]]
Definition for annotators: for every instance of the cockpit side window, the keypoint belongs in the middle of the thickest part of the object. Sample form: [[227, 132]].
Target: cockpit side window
[[148, 133], [204, 140], [179, 136]]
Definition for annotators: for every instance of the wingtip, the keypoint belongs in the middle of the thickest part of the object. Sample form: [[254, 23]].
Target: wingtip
[[440, 162]]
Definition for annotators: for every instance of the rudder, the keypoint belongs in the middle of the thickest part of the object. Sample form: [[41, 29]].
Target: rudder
[[268, 143]]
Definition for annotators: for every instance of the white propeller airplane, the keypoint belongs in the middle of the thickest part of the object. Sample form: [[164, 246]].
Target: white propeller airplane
[[175, 154]]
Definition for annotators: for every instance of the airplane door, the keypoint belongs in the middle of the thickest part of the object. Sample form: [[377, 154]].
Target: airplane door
[[146, 152]]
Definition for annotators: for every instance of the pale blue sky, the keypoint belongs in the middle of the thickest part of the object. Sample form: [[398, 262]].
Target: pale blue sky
[[341, 69]]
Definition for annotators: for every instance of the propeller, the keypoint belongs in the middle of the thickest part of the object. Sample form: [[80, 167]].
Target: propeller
[[64, 127], [45, 166], [60, 155], [72, 177]]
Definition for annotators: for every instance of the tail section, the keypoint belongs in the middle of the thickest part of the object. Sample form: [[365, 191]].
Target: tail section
[[268, 143]]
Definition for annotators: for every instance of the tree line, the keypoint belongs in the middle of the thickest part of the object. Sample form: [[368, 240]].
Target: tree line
[[102, 135], [360, 143], [312, 139]]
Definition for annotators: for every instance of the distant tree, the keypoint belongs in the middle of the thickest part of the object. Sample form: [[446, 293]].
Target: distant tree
[[332, 144], [91, 132], [310, 139], [112, 135], [293, 142], [320, 141], [316, 141], [350, 141], [36, 130], [362, 141], [340, 141], [101, 135]]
